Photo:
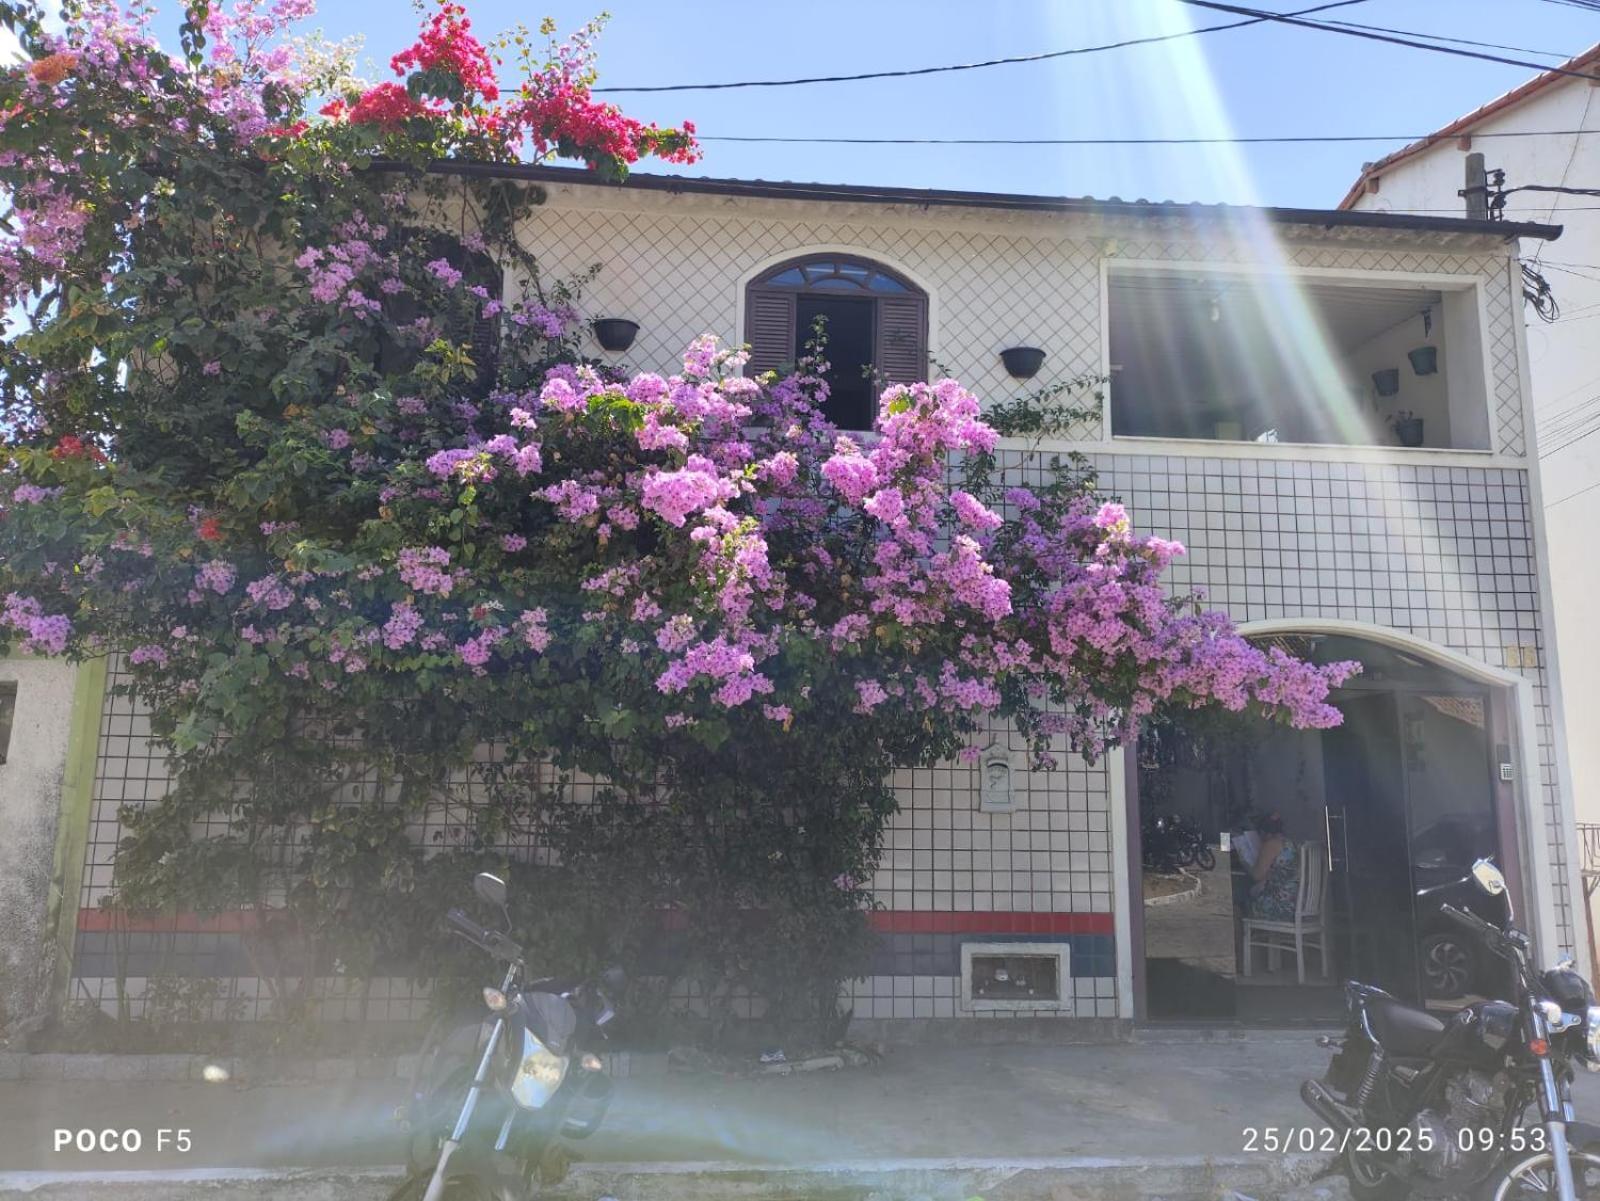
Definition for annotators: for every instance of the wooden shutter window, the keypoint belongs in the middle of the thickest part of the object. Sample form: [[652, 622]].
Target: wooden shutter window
[[902, 339], [769, 328]]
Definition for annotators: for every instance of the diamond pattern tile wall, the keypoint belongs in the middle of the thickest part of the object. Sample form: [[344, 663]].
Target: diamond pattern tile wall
[[1444, 552]]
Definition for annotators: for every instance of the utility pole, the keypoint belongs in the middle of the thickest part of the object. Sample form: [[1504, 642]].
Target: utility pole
[[1477, 190]]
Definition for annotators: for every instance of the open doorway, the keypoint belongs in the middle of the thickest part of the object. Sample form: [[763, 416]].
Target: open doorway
[[1326, 853]]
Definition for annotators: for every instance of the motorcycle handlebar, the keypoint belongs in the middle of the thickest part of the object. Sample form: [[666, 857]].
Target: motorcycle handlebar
[[492, 941], [465, 925], [1497, 938]]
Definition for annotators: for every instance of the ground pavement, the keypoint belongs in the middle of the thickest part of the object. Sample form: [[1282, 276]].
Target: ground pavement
[[1155, 1119]]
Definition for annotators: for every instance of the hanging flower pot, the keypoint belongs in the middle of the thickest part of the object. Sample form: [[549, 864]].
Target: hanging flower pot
[[1386, 381], [1407, 428], [1424, 359], [1022, 362], [615, 333]]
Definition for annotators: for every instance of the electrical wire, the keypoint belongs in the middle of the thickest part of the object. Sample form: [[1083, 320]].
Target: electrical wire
[[909, 72], [1571, 495], [1595, 429], [1326, 27], [1547, 187], [786, 139], [1439, 37]]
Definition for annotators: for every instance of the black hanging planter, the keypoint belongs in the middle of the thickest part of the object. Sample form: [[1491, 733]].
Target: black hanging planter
[[615, 333], [1409, 432], [1386, 381], [1424, 359], [1022, 362]]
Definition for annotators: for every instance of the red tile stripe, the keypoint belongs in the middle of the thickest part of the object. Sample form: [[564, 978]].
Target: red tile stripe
[[231, 922], [905, 921], [885, 921]]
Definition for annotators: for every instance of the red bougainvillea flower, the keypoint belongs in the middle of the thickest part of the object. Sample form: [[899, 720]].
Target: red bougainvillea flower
[[388, 105], [209, 530], [447, 44], [565, 119], [53, 68], [70, 446]]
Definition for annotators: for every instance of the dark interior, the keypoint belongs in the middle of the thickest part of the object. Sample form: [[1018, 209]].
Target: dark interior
[[1399, 799], [848, 324]]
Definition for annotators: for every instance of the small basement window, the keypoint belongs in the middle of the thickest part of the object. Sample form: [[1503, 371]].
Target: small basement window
[[1012, 976], [1238, 357], [8, 713]]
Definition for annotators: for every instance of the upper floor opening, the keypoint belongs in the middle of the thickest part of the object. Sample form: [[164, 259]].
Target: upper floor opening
[[1232, 356], [875, 319]]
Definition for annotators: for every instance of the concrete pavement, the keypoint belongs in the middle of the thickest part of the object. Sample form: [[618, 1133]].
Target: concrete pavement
[[1150, 1119]]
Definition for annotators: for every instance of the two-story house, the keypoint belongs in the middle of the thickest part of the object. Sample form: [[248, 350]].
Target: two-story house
[[1257, 363]]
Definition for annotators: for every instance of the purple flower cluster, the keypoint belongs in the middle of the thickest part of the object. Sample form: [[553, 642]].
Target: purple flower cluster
[[41, 632], [426, 569]]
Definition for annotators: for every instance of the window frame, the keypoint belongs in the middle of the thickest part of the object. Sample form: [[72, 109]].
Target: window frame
[[756, 283], [1475, 285]]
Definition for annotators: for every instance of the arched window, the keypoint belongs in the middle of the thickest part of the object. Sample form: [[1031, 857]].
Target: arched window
[[877, 327]]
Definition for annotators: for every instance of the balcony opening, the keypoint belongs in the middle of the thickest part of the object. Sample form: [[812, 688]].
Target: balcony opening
[[1275, 358]]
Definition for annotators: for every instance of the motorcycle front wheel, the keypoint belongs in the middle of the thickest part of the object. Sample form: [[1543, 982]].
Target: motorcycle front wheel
[[1534, 1176]]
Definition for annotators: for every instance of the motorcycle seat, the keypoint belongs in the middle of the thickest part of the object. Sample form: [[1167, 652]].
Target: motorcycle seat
[[1402, 1030]]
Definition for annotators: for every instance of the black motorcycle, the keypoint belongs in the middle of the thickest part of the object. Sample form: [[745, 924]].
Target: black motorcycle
[[495, 1094], [1478, 1106], [1168, 843]]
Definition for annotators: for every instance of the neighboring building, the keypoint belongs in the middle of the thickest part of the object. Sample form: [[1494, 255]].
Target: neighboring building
[[1429, 175], [1241, 418]]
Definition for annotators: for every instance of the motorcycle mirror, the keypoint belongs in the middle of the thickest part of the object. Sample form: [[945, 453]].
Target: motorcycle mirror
[[1489, 878], [490, 888]]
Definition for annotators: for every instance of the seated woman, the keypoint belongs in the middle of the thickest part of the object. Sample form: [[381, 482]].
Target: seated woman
[[1275, 875]]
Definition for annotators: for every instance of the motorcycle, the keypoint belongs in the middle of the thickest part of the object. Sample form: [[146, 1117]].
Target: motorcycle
[[1170, 843], [495, 1095], [1424, 1108]]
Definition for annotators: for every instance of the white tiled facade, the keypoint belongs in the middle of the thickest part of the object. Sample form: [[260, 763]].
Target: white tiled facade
[[1439, 546]]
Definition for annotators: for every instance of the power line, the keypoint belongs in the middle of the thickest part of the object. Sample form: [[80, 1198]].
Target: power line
[[1546, 187], [1439, 37], [1576, 208], [1571, 495], [1570, 442], [1326, 27], [992, 62], [1212, 141]]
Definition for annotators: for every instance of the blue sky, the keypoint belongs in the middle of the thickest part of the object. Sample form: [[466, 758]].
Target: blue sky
[[1254, 81]]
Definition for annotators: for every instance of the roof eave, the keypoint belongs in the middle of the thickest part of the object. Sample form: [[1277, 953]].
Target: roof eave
[[1000, 201], [1463, 125]]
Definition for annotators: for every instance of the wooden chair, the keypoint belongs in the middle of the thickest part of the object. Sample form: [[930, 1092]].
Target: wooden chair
[[1308, 929]]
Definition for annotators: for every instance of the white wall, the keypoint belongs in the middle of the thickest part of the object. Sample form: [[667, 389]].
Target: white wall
[[30, 804], [1562, 357]]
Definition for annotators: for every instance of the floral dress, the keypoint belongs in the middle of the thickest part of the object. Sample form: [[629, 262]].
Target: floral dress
[[1273, 899]]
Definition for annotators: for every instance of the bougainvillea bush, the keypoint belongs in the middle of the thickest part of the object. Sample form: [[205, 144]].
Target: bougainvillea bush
[[352, 507]]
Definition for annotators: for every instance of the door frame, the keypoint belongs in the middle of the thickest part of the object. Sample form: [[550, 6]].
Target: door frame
[[1519, 811]]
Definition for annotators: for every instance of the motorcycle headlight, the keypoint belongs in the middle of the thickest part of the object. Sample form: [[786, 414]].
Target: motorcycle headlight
[[539, 1074], [1591, 1038]]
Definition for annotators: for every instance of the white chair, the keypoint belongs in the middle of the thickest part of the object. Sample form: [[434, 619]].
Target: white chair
[[1307, 929]]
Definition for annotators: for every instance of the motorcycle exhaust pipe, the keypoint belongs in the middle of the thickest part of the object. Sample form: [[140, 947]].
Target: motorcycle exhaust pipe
[[1325, 1105]]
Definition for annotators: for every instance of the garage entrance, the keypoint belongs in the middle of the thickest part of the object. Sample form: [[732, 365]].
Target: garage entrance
[[1277, 863]]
